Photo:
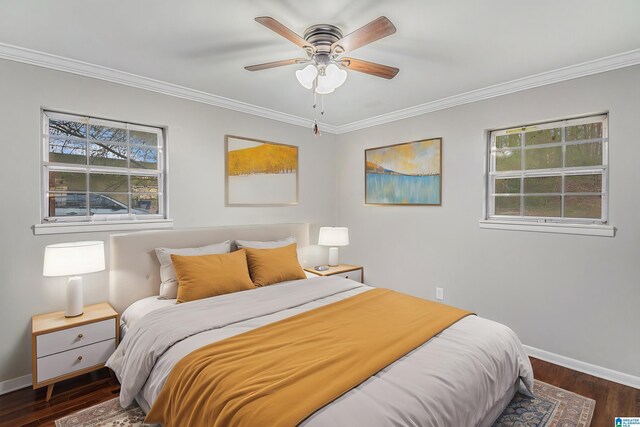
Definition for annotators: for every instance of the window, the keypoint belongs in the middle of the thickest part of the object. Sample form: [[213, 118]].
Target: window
[[549, 173], [99, 170]]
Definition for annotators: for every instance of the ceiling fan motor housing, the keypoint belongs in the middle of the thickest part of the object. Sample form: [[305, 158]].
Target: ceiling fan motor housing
[[322, 36]]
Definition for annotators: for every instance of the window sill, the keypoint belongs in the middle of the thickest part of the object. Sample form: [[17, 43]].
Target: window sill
[[580, 229], [90, 227]]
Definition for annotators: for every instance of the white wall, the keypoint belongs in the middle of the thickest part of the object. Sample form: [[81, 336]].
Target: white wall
[[577, 296], [196, 152]]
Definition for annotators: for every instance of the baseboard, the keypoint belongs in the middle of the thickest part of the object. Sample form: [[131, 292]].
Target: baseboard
[[587, 368], [15, 384]]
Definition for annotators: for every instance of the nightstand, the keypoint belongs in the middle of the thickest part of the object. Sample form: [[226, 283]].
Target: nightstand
[[65, 347], [353, 272]]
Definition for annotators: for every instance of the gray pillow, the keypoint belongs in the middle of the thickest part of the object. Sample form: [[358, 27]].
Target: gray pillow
[[169, 280]]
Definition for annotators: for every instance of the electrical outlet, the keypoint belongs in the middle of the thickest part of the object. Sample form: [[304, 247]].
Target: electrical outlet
[[440, 294]]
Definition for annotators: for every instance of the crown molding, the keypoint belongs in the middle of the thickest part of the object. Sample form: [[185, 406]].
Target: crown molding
[[55, 62], [42, 59], [601, 65]]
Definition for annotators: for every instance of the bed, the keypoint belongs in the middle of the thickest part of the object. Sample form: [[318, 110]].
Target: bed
[[464, 376]]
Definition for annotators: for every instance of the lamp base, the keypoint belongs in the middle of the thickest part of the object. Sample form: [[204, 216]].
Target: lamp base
[[75, 305], [333, 257]]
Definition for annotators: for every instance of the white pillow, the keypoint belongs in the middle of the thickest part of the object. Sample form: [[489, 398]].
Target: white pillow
[[169, 280], [265, 245]]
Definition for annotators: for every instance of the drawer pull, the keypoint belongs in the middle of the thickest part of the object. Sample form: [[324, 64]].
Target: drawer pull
[[80, 336], [79, 358]]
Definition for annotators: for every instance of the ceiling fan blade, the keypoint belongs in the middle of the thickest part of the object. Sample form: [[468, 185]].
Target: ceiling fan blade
[[275, 64], [367, 67], [285, 32], [374, 30]]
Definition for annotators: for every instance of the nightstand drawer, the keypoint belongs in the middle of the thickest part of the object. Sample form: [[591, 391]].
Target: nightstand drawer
[[353, 275], [70, 361], [67, 339]]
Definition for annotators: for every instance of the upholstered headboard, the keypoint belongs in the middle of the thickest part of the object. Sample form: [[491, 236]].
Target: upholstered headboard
[[134, 271]]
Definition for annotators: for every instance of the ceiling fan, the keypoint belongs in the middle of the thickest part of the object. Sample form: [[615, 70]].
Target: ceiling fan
[[323, 44]]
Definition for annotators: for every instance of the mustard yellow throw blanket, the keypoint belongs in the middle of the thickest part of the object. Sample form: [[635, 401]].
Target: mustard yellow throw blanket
[[281, 373]]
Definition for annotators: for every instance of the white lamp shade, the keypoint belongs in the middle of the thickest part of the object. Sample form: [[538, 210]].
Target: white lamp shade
[[333, 236], [69, 259], [307, 75], [323, 87], [334, 78]]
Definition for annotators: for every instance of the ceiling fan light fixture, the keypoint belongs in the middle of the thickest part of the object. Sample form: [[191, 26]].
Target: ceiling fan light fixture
[[332, 79], [337, 75], [323, 87], [307, 75]]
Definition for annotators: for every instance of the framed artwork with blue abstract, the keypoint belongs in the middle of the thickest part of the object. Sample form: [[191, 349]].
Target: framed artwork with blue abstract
[[407, 174]]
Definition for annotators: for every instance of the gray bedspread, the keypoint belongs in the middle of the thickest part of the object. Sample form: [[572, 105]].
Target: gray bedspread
[[462, 377]]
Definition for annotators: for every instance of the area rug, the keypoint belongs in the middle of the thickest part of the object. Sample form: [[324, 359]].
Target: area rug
[[552, 407]]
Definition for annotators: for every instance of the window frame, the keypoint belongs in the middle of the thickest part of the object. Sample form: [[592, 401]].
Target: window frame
[[56, 224], [491, 220]]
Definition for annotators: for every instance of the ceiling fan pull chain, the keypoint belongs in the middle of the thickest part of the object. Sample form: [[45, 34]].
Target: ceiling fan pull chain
[[315, 99], [322, 105]]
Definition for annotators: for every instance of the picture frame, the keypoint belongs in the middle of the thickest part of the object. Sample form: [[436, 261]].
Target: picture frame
[[405, 174], [260, 173]]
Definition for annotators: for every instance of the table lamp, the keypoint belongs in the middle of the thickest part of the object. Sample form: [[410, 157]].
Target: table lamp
[[73, 259], [333, 237]]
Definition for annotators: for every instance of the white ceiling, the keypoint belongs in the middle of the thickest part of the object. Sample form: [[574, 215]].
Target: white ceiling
[[443, 48]]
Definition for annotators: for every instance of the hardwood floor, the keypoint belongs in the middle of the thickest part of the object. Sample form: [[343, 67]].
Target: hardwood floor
[[27, 407]]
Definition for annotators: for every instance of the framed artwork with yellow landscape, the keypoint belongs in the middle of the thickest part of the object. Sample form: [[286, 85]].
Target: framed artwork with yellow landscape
[[260, 173], [408, 174]]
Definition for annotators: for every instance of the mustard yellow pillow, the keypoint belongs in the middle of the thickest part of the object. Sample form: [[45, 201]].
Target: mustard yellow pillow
[[204, 276], [269, 266]]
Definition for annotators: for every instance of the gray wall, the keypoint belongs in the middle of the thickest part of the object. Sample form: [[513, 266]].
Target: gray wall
[[577, 296], [572, 295], [196, 153]]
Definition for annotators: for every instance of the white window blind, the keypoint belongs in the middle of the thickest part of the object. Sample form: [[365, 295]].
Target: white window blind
[[554, 172]]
